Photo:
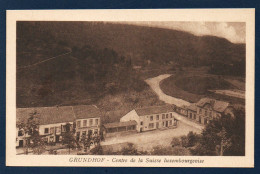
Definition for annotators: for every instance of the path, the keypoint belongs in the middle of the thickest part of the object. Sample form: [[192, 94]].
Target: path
[[154, 83], [28, 66]]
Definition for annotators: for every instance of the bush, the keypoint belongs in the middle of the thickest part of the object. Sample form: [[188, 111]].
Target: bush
[[177, 151], [175, 142]]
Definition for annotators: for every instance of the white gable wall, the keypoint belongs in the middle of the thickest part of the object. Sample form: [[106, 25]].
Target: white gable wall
[[132, 115]]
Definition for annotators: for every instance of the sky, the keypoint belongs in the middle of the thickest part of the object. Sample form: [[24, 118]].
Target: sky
[[232, 31]]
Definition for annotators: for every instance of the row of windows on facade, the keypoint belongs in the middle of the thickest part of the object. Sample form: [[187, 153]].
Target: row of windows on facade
[[85, 122], [56, 130], [151, 125], [47, 130], [163, 116], [90, 132], [206, 113]]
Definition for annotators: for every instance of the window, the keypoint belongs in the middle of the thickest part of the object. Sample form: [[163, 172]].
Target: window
[[90, 132], [96, 121], [52, 130], [84, 123], [151, 118], [167, 115], [90, 122], [171, 115], [84, 133], [46, 130], [163, 116], [206, 113], [170, 123], [200, 111], [96, 131], [157, 117], [20, 133], [141, 123], [151, 125], [58, 130], [63, 128], [78, 123], [45, 140], [163, 123]]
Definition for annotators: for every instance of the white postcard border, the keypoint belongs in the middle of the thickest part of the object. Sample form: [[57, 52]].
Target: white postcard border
[[213, 15]]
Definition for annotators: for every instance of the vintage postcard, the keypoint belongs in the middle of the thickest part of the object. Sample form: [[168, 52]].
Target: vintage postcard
[[127, 88]]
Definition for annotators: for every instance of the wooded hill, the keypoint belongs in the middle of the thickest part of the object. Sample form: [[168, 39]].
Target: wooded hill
[[77, 60]]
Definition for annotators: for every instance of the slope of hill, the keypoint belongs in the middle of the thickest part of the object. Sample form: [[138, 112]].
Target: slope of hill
[[138, 42], [65, 62]]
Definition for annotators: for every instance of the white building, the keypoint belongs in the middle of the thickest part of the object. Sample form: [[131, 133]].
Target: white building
[[151, 118], [52, 121]]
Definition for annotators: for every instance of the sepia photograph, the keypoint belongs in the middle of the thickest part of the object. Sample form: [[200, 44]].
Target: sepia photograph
[[131, 88]]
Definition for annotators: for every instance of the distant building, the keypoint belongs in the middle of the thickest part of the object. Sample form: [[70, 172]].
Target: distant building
[[52, 121], [207, 109], [183, 110], [192, 111], [151, 118], [87, 120]]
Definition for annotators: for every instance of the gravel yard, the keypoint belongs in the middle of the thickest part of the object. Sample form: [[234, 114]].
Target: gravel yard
[[147, 140]]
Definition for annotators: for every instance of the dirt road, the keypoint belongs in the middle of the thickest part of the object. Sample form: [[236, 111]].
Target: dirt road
[[154, 83]]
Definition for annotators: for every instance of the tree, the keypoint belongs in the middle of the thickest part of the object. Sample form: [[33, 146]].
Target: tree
[[97, 150], [68, 137], [31, 131], [192, 139], [223, 136], [177, 151]]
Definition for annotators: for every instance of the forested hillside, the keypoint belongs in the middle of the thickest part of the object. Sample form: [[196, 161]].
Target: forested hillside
[[59, 62]]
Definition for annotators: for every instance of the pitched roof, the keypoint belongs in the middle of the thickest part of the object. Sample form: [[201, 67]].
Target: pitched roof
[[86, 111], [192, 107], [120, 124], [217, 105], [154, 110], [60, 114]]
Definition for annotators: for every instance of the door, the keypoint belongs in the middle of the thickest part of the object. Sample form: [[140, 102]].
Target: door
[[141, 129], [157, 125], [199, 119], [57, 138], [166, 123], [20, 143]]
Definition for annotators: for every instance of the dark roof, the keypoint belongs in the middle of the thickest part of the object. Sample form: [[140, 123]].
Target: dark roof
[[120, 124], [192, 107], [154, 110], [86, 111], [57, 114], [217, 105]]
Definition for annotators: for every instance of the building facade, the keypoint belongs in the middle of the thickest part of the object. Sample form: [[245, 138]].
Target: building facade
[[53, 120], [192, 111], [151, 118], [87, 120], [119, 128], [208, 109]]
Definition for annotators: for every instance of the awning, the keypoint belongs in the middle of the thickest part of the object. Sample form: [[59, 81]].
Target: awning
[[120, 124]]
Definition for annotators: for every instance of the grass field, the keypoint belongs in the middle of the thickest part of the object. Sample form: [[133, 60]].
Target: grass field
[[192, 86]]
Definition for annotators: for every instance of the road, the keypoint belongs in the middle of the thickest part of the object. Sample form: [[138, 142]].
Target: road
[[154, 83], [147, 140]]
